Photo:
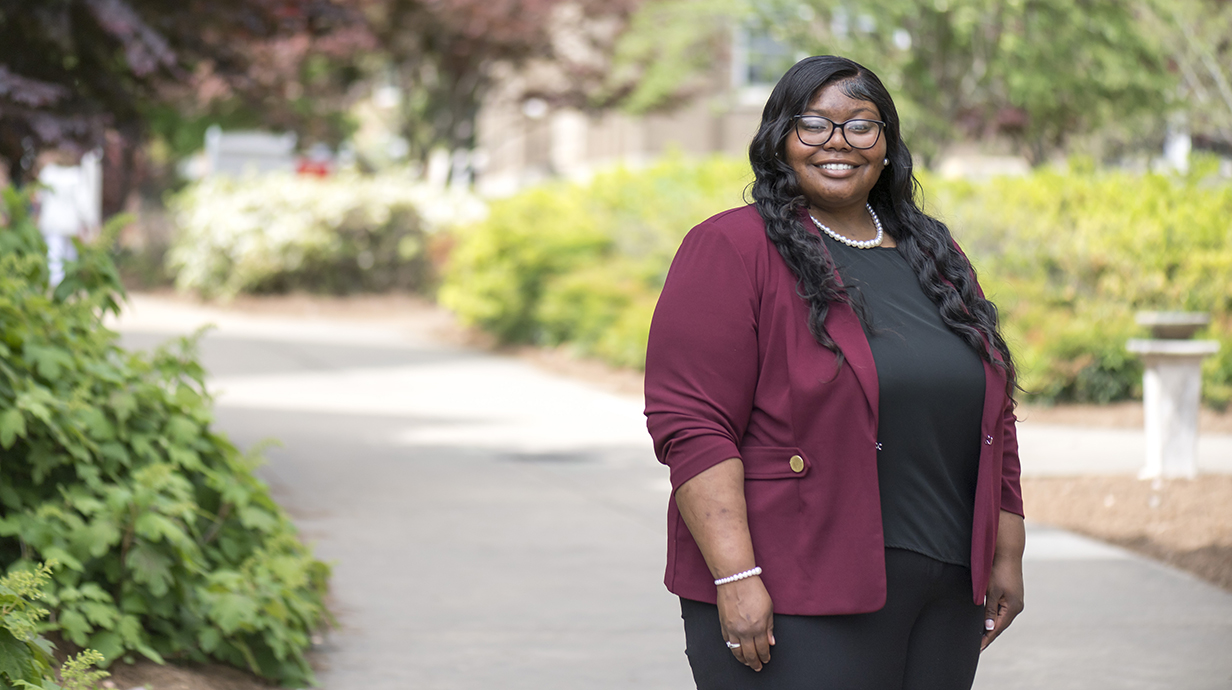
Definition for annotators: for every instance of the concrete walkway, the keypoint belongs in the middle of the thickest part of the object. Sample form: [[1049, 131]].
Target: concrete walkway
[[495, 526]]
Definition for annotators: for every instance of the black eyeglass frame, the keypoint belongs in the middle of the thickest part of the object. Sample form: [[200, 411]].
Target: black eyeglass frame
[[837, 126]]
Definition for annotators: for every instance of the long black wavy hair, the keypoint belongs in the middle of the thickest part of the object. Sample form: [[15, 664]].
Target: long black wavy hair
[[945, 274]]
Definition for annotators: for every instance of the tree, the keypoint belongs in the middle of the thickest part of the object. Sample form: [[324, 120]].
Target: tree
[[1038, 72], [1198, 34], [72, 69], [447, 55], [668, 54]]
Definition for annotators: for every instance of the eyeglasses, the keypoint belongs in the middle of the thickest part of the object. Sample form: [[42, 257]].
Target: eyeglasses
[[815, 130]]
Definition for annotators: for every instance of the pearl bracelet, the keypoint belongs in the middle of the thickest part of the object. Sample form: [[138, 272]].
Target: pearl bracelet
[[738, 576]]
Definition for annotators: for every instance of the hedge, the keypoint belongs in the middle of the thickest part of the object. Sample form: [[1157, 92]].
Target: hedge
[[1068, 254], [583, 263], [281, 232]]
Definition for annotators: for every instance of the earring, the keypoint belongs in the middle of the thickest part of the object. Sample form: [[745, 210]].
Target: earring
[[885, 162]]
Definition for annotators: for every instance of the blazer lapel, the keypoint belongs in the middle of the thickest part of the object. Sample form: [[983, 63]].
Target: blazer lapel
[[844, 326]]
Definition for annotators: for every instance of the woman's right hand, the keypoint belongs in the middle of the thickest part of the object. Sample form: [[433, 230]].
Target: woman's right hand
[[746, 616]]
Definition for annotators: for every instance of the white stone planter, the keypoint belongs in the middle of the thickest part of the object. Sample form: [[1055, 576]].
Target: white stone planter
[[1172, 391]]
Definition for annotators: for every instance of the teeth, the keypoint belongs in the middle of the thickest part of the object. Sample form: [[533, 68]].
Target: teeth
[[838, 166]]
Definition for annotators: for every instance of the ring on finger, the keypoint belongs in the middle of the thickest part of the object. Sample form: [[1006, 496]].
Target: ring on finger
[[733, 645]]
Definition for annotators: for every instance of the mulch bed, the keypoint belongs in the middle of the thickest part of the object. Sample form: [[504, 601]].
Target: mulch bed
[[1186, 523], [151, 676]]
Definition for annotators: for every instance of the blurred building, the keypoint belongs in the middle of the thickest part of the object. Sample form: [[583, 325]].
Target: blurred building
[[523, 141], [245, 152]]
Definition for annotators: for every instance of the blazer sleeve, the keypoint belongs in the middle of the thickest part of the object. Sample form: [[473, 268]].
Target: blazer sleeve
[[1011, 468], [701, 357]]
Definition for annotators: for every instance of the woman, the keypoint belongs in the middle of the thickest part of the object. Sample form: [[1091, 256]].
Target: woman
[[831, 392]]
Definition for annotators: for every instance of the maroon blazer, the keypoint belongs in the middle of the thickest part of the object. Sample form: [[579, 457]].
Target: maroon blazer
[[733, 371]]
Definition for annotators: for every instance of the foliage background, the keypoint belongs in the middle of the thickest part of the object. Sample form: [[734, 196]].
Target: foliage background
[[27, 658], [583, 263], [1043, 77], [170, 545], [282, 232], [1068, 254]]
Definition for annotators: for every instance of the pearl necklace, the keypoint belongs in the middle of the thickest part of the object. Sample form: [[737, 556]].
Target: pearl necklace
[[858, 244]]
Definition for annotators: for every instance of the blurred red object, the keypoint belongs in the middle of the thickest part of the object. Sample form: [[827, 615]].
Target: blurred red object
[[307, 166]]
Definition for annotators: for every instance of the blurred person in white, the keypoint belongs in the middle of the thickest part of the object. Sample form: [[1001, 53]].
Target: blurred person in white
[[69, 205]]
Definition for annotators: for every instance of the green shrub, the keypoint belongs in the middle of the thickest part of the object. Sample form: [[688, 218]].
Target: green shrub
[[1082, 360], [624, 342], [583, 263], [26, 658], [170, 545], [1068, 256], [581, 305], [498, 268], [1217, 370], [276, 233]]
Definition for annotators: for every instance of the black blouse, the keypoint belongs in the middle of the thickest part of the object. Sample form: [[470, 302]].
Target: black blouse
[[931, 401]]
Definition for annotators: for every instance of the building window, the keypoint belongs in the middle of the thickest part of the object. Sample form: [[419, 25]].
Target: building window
[[758, 60]]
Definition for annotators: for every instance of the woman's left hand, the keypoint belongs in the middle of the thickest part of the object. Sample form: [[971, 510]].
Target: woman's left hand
[[1005, 588]]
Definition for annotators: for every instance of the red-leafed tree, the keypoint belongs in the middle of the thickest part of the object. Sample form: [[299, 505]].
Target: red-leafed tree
[[71, 70], [76, 72]]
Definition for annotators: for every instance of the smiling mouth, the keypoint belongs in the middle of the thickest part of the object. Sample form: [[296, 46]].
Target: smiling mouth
[[837, 166]]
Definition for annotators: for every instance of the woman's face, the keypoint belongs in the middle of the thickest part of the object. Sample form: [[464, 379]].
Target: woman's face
[[835, 176]]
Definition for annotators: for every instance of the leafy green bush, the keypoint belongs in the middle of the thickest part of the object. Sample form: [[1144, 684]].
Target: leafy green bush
[[1217, 370], [26, 658], [1068, 255], [498, 268], [170, 545], [274, 233], [583, 263]]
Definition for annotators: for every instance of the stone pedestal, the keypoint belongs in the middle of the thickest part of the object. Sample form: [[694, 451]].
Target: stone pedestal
[[1172, 391]]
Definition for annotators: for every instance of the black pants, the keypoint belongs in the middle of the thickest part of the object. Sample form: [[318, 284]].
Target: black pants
[[927, 637]]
